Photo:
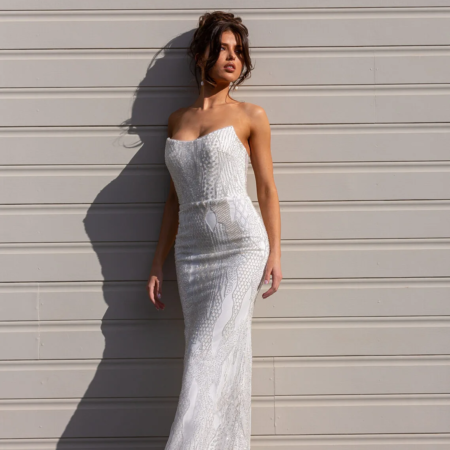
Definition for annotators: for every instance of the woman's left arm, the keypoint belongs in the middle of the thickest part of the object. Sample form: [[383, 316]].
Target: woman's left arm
[[261, 159]]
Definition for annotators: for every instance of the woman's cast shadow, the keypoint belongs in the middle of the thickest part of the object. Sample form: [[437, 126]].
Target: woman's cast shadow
[[130, 402]]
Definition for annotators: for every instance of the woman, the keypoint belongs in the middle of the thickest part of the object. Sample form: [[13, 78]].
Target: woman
[[223, 250]]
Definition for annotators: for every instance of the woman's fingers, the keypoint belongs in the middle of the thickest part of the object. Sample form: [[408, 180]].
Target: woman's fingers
[[158, 295], [267, 272], [276, 280], [154, 292]]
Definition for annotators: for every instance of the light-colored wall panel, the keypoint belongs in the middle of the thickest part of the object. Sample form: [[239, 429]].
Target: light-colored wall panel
[[139, 417], [109, 378], [357, 297], [362, 375], [361, 258], [83, 145], [112, 339], [351, 336], [290, 143], [294, 415], [369, 142], [19, 340], [410, 65], [288, 27], [208, 4], [307, 220], [83, 184], [380, 441], [403, 441], [94, 300], [363, 414], [287, 376], [271, 337], [371, 219], [19, 303], [64, 223], [295, 182], [283, 66], [295, 298], [54, 262], [123, 443], [283, 104], [376, 258]]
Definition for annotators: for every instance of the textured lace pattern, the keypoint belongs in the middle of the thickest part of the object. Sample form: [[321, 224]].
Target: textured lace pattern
[[221, 251]]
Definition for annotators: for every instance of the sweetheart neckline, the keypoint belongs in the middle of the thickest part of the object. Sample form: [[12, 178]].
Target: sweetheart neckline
[[212, 132], [200, 137]]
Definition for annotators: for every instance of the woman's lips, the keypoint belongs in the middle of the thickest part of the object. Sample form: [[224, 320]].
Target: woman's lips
[[230, 68]]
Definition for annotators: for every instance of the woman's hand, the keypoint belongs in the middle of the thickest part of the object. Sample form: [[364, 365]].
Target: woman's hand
[[154, 287], [273, 267]]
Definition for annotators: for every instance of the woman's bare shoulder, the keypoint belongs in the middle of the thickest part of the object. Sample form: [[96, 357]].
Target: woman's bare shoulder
[[255, 115], [174, 120], [251, 109]]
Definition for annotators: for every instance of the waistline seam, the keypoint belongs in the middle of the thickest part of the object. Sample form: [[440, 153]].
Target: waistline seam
[[211, 200]]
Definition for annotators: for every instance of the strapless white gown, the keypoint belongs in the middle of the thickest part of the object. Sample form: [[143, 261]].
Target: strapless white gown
[[221, 251]]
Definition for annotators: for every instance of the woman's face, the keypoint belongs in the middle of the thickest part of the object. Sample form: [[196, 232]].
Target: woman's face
[[229, 64]]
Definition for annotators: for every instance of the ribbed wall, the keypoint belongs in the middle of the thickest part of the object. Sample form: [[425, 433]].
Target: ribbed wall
[[353, 351]]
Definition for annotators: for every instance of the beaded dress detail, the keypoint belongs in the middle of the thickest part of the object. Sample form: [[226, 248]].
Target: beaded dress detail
[[221, 251]]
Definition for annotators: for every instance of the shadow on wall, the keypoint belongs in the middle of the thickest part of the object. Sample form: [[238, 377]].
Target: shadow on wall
[[131, 400]]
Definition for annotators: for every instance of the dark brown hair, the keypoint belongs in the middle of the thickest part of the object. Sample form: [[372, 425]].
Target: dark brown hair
[[209, 32]]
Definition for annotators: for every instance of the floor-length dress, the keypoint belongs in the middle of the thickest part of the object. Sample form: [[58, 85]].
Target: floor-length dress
[[221, 251]]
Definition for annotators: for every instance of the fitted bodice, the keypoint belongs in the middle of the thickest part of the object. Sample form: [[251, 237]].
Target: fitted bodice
[[211, 167]]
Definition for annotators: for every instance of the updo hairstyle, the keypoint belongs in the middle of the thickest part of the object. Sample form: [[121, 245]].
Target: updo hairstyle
[[209, 32]]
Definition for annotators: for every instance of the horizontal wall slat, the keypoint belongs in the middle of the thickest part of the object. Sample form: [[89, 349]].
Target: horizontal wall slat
[[381, 441], [146, 417], [301, 66], [289, 143], [271, 337], [362, 375], [365, 181], [308, 220], [102, 184], [352, 336], [78, 301], [399, 441], [78, 145], [138, 417], [19, 342], [347, 220], [19, 302], [357, 297], [80, 262], [64, 223], [295, 298], [288, 27], [295, 182], [283, 104], [287, 376], [177, 4], [108, 379], [300, 259], [119, 339], [363, 414]]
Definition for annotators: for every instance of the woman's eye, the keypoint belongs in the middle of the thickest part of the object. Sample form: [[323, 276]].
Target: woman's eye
[[237, 51]]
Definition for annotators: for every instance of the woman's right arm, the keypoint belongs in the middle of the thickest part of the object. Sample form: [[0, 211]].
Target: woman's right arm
[[167, 235]]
